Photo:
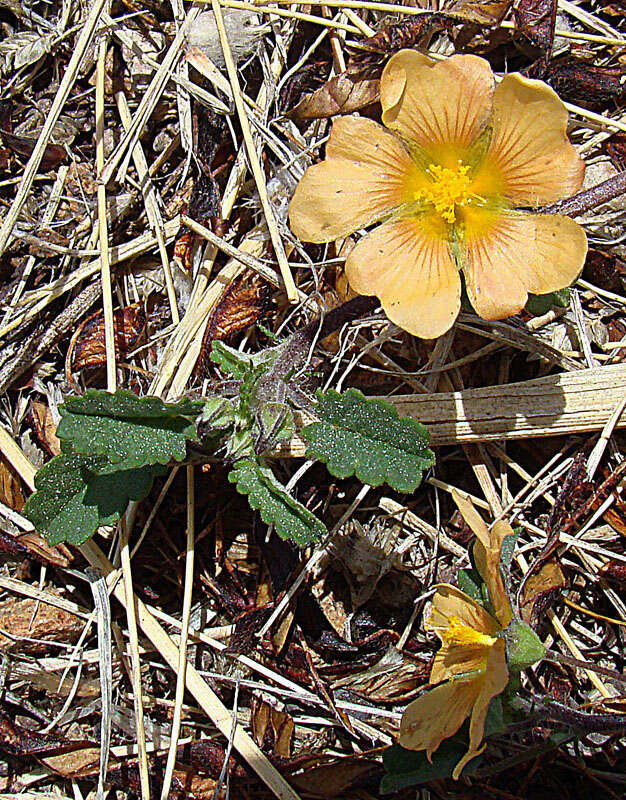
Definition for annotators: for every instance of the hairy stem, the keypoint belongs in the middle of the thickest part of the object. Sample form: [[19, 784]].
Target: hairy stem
[[591, 198], [552, 655]]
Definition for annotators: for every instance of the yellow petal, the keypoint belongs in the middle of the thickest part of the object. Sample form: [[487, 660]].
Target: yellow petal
[[530, 148], [453, 660], [448, 601], [493, 683], [487, 552], [437, 714], [521, 253], [412, 272], [366, 173], [487, 559], [435, 104], [471, 516]]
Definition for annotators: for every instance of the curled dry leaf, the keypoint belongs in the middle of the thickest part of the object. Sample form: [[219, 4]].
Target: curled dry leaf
[[87, 346], [590, 85], [23, 146], [350, 91], [31, 545], [272, 727], [395, 678], [241, 304], [539, 590], [536, 19], [10, 486], [482, 12], [44, 427]]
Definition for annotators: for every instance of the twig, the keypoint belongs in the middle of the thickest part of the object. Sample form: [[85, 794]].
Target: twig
[[69, 76], [31, 350], [553, 655], [255, 166], [131, 619], [98, 585], [103, 228], [182, 644], [591, 198]]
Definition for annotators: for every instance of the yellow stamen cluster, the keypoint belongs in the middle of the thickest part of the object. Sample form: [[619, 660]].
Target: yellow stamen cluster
[[450, 188], [458, 633]]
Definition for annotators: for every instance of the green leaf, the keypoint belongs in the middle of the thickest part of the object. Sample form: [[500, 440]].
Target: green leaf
[[266, 495], [368, 438], [470, 582], [238, 364], [77, 493], [508, 549], [218, 413], [540, 304], [130, 431], [274, 423], [405, 768]]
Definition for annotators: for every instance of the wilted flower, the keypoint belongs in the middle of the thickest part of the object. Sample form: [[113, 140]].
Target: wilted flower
[[459, 156], [471, 665]]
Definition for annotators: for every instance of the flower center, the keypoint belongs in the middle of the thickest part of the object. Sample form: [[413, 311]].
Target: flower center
[[458, 633], [449, 188]]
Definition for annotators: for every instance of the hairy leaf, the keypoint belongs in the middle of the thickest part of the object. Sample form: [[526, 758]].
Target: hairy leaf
[[77, 493], [238, 364], [130, 431], [266, 495], [368, 438]]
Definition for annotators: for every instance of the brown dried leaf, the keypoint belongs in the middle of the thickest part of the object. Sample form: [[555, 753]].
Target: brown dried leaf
[[22, 146], [482, 12], [87, 346], [615, 573], [10, 486], [333, 779], [49, 623], [272, 727], [45, 427], [406, 33], [539, 588], [536, 20], [343, 94], [393, 679], [604, 270], [590, 85], [241, 304], [33, 546]]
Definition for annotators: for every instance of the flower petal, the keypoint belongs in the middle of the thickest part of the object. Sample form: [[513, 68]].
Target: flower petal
[[487, 552], [493, 683], [437, 714], [529, 146], [448, 601], [454, 660], [366, 173], [521, 253], [487, 560], [436, 104], [412, 272]]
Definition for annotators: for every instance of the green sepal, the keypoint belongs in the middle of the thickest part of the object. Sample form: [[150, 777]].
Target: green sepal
[[523, 646]]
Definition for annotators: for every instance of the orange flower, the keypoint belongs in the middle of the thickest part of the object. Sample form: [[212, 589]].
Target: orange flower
[[460, 154], [472, 658]]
